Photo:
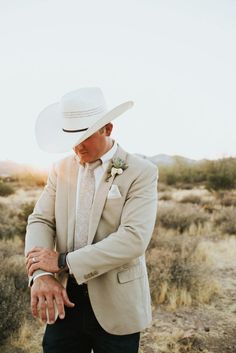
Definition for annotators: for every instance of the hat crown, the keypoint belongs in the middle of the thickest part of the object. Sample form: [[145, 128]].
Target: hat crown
[[78, 115], [83, 99]]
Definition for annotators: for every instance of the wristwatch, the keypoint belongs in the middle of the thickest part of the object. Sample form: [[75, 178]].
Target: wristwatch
[[62, 264]]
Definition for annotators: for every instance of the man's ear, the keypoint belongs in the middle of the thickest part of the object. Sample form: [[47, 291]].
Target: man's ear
[[108, 129]]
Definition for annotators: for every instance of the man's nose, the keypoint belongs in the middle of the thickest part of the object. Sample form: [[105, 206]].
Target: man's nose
[[79, 147]]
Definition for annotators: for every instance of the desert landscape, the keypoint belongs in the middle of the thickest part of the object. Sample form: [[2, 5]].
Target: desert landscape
[[191, 260]]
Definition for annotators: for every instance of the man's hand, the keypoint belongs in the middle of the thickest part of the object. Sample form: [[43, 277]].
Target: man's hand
[[47, 292], [43, 259]]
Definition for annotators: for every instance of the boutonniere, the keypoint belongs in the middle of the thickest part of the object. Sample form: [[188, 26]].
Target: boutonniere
[[117, 167]]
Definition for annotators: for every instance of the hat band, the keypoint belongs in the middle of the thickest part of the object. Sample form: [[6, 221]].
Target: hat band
[[80, 130], [84, 113]]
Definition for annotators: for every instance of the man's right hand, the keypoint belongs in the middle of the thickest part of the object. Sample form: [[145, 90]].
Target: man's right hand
[[46, 292]]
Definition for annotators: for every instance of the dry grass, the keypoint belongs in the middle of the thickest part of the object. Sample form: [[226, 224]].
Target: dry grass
[[27, 337], [165, 196], [226, 221], [180, 217], [14, 295], [180, 272], [165, 342], [14, 212], [19, 332], [193, 199]]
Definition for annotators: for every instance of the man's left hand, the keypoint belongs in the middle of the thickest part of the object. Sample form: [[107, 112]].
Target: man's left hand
[[43, 259]]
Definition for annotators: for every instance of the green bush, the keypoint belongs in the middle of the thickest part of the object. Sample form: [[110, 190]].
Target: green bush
[[8, 220], [215, 175], [13, 220], [6, 189], [23, 214], [220, 181]]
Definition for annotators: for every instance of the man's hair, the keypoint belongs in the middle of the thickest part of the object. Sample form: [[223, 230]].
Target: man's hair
[[102, 128]]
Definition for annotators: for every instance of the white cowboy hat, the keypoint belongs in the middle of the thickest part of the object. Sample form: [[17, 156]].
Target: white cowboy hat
[[79, 114]]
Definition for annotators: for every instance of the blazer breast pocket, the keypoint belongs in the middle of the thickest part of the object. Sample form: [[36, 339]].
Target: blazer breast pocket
[[130, 274], [114, 193]]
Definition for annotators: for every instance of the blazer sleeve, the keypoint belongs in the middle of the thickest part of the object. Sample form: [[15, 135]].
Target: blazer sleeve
[[132, 237], [41, 227]]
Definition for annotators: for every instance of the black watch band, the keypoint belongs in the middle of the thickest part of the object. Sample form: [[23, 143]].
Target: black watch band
[[62, 260]]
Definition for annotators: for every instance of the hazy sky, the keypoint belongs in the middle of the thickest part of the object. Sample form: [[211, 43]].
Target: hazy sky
[[175, 59]]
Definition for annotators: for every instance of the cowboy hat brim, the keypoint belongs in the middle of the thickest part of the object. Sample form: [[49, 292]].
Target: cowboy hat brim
[[51, 137]]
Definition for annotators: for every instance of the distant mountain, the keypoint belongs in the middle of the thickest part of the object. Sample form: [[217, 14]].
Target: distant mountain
[[8, 168], [166, 160]]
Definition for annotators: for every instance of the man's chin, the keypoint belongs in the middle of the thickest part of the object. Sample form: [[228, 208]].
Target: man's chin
[[85, 159]]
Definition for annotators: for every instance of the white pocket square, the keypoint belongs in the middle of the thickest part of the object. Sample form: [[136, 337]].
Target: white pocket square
[[114, 192]]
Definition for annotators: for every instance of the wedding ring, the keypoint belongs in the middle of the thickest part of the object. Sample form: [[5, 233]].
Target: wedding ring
[[34, 259]]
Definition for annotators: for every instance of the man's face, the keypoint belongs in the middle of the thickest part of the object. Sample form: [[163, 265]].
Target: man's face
[[95, 146]]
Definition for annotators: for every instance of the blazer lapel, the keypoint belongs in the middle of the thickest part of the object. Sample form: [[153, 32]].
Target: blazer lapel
[[72, 191], [101, 196]]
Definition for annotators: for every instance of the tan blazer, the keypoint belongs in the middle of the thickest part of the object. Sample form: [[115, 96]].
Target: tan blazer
[[113, 262]]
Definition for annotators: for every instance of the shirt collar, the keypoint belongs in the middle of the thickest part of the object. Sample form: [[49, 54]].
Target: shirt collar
[[109, 154]]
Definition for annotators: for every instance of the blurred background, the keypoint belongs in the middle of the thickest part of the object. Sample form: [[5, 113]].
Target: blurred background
[[176, 61]]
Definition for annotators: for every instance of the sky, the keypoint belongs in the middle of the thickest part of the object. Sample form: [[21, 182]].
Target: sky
[[174, 59]]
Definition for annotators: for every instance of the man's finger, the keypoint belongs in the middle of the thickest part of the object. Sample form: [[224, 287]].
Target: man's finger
[[42, 309], [30, 263], [60, 306], [34, 303], [36, 248], [32, 268], [66, 299], [50, 309]]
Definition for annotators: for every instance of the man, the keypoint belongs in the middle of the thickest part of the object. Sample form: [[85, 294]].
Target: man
[[86, 239]]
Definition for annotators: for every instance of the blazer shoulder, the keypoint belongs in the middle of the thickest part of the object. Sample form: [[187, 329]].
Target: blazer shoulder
[[63, 164], [142, 164]]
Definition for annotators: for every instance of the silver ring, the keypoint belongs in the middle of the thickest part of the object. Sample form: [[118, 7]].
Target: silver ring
[[34, 259]]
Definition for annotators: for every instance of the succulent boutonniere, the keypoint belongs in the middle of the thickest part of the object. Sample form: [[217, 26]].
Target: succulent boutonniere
[[117, 167]]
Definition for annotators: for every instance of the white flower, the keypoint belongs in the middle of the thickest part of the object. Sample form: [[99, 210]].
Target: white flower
[[117, 167], [115, 171]]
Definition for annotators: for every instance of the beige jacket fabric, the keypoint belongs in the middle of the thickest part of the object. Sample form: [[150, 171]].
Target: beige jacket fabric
[[113, 263]]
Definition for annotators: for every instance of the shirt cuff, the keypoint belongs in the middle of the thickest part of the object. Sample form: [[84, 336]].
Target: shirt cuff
[[68, 265], [42, 274]]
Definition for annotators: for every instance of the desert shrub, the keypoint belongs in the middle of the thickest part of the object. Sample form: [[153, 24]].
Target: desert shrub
[[8, 220], [27, 339], [215, 175], [181, 217], [171, 178], [165, 197], [228, 201], [13, 219], [25, 210], [226, 198], [195, 199], [220, 181], [226, 221], [179, 274], [6, 189], [31, 179], [162, 187], [14, 294]]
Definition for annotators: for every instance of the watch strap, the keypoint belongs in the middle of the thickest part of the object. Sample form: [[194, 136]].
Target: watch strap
[[62, 260]]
